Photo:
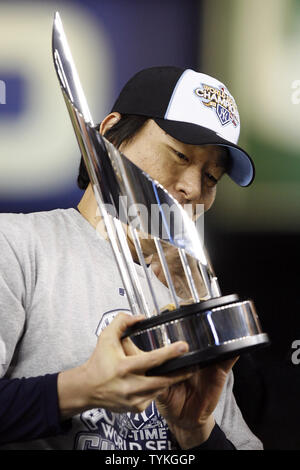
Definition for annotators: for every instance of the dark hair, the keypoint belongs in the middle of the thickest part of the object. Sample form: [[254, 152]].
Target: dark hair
[[122, 131]]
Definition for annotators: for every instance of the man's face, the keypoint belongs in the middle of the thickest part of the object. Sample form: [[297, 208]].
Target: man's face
[[188, 172]]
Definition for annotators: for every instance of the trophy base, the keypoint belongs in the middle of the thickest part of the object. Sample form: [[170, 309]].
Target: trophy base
[[215, 330], [212, 354]]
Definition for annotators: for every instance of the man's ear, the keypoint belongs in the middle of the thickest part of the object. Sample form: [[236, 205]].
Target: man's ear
[[109, 121]]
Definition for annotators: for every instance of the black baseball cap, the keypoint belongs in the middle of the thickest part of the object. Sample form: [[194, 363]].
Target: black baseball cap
[[192, 107]]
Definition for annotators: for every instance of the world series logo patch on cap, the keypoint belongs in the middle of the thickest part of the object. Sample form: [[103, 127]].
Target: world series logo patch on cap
[[219, 100]]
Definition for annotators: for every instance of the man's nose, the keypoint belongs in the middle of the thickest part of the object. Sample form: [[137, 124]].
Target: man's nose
[[188, 186]]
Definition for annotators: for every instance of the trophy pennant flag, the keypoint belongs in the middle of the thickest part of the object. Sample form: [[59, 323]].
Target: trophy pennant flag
[[134, 205]]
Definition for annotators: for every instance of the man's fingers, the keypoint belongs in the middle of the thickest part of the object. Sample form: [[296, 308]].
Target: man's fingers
[[113, 333], [154, 386], [143, 362], [129, 348]]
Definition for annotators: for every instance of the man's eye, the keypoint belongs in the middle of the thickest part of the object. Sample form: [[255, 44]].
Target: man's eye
[[181, 156], [211, 178]]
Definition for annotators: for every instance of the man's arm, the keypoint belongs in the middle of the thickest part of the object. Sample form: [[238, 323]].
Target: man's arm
[[28, 406], [36, 407], [114, 380], [217, 440], [29, 409]]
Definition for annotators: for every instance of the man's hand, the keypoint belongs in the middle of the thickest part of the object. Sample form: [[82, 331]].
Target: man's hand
[[188, 406], [178, 276], [113, 377]]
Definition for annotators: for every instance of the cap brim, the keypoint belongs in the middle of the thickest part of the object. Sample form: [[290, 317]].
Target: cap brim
[[241, 167]]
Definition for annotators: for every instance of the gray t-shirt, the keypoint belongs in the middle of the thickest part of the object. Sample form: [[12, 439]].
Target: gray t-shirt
[[59, 287]]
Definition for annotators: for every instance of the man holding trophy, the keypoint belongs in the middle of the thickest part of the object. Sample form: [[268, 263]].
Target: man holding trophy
[[71, 376]]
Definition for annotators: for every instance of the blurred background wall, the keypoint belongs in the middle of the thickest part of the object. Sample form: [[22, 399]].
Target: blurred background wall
[[252, 233], [110, 40]]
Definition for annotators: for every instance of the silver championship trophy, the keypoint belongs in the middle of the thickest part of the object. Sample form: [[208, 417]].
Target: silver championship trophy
[[214, 326]]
